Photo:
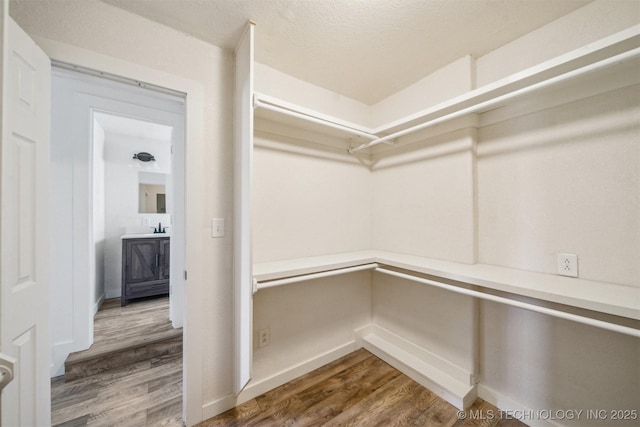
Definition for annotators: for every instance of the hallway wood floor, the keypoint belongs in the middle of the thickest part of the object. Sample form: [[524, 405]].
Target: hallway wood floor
[[356, 390], [124, 335], [147, 393], [141, 392]]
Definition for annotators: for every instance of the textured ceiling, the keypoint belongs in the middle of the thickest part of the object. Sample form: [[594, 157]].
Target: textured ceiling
[[363, 49]]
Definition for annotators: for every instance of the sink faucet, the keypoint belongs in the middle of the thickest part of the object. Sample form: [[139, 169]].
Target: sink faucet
[[160, 229]]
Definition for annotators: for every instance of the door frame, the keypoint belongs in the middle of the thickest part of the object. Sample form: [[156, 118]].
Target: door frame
[[194, 147], [77, 98]]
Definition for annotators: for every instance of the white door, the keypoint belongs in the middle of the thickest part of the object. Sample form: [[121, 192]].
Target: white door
[[24, 238]]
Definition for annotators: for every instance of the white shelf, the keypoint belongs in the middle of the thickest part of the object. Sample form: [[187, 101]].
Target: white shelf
[[596, 59], [602, 297], [296, 116], [610, 47], [301, 266]]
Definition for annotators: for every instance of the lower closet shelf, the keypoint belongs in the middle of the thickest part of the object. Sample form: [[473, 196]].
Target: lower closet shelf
[[608, 298], [460, 394]]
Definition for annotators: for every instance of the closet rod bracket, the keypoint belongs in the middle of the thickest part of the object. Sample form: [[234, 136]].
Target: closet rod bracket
[[351, 149]]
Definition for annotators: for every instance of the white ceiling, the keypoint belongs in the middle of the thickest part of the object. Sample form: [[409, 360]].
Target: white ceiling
[[134, 128], [363, 49]]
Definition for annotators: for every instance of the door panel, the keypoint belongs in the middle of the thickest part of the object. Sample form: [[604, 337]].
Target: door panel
[[24, 234]]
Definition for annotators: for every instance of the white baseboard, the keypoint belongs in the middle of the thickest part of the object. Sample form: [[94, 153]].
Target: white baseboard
[[256, 388], [259, 387], [513, 408], [448, 381], [98, 303], [218, 406]]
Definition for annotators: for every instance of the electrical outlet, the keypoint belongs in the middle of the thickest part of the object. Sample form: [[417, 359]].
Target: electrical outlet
[[264, 337], [567, 265]]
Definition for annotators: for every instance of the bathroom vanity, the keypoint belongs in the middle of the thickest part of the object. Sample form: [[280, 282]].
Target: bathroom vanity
[[145, 266]]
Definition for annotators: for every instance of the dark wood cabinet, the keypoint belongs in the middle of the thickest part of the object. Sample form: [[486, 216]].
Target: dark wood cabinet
[[145, 267]]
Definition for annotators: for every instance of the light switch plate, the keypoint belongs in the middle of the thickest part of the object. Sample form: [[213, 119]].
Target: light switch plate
[[217, 227]]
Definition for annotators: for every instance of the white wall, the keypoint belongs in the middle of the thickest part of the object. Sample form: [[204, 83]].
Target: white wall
[[95, 34], [448, 82], [272, 82], [424, 203], [62, 246], [541, 362], [424, 198], [565, 179], [99, 220], [307, 201], [62, 274], [306, 205], [308, 319], [438, 321], [592, 22], [121, 197]]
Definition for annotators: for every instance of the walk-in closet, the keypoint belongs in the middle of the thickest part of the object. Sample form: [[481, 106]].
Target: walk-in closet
[[427, 228]]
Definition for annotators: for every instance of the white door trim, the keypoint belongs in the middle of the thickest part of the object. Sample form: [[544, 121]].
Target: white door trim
[[194, 148], [76, 97]]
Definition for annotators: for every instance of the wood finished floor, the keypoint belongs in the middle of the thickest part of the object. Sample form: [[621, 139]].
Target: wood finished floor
[[117, 327], [142, 393], [356, 390]]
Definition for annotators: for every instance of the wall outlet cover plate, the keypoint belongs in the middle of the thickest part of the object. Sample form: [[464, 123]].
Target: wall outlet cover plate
[[567, 265]]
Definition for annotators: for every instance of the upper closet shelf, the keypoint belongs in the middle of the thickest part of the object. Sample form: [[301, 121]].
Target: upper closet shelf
[[590, 60], [277, 110]]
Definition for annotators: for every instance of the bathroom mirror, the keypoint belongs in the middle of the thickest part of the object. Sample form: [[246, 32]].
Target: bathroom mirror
[[152, 192]]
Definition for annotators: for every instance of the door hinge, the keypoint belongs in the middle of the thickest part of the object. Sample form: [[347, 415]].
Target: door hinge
[[185, 275]]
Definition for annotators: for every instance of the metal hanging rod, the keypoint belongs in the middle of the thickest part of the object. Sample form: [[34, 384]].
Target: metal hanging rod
[[501, 98], [257, 103], [527, 306], [113, 77], [304, 277]]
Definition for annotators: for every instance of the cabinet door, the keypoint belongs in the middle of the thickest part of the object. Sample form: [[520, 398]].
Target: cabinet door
[[165, 252], [142, 260]]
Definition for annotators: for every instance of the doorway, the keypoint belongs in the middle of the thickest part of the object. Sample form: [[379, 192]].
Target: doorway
[[98, 125]]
